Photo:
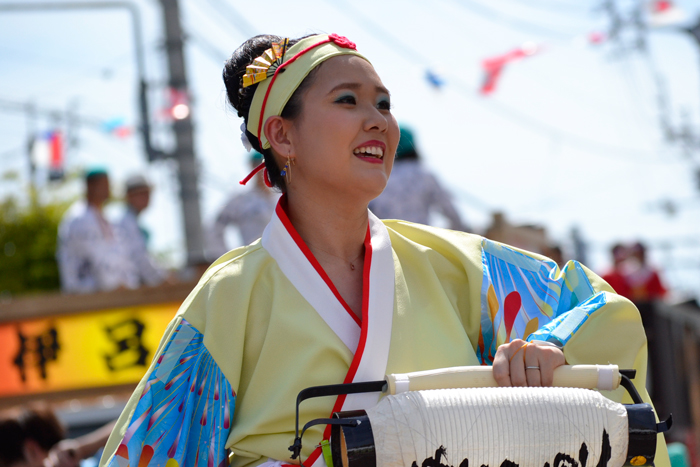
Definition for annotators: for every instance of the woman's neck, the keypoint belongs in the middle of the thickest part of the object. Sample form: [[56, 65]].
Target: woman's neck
[[333, 225]]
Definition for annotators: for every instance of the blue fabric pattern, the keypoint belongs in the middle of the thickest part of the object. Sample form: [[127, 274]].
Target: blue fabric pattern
[[565, 326], [184, 414], [521, 294]]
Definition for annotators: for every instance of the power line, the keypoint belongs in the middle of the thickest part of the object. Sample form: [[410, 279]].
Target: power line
[[549, 6], [589, 145], [214, 16], [411, 55], [34, 57], [398, 45], [471, 199], [70, 118], [232, 15], [29, 108], [205, 45], [684, 135], [511, 21], [210, 50], [617, 24], [12, 152]]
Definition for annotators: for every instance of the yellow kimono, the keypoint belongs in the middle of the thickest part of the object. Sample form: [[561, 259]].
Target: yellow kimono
[[265, 322]]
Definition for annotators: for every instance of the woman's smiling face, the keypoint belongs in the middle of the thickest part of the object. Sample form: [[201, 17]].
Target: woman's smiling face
[[345, 138]]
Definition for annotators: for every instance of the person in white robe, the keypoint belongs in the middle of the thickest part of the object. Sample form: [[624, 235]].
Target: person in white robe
[[138, 196], [91, 252], [248, 211], [413, 193]]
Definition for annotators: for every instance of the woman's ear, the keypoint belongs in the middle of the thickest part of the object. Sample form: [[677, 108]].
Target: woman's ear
[[277, 132]]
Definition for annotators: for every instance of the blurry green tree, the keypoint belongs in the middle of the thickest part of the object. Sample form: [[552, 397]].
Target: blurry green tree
[[28, 232]]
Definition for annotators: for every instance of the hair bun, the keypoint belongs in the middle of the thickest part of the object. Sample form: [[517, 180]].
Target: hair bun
[[234, 69], [241, 98]]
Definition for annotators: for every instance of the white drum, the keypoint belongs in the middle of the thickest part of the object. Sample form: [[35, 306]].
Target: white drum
[[528, 427]]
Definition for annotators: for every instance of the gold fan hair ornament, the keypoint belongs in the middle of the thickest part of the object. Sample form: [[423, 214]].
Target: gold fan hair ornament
[[266, 64]]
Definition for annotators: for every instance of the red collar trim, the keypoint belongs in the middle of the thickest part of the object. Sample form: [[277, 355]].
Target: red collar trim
[[281, 211], [340, 401]]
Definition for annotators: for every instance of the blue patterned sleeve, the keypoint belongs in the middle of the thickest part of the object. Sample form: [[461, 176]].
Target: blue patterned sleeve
[[526, 297], [183, 415]]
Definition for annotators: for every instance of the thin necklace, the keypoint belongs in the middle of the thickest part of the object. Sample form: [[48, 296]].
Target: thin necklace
[[352, 265]]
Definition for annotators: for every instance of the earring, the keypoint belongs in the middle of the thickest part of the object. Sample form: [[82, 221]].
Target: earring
[[287, 170]]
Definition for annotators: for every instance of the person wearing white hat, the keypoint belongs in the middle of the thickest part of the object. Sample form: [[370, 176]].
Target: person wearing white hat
[[138, 195]]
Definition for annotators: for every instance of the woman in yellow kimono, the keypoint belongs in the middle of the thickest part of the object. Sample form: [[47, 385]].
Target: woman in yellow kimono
[[332, 294]]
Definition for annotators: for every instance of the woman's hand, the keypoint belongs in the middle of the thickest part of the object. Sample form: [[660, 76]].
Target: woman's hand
[[520, 363]]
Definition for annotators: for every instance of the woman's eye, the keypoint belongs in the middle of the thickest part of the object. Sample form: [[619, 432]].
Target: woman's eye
[[384, 105], [346, 100]]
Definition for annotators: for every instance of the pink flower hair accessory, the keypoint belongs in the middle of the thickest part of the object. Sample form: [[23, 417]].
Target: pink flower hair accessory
[[342, 41]]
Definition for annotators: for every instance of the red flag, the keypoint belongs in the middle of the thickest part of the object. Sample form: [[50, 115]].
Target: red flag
[[56, 141], [493, 67], [665, 13], [117, 127], [661, 5], [597, 37], [56, 155]]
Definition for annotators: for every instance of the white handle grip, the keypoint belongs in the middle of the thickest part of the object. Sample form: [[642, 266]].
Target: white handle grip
[[604, 377]]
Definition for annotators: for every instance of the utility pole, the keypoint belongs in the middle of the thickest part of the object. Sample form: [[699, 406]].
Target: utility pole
[[184, 152], [132, 9], [31, 141], [182, 126]]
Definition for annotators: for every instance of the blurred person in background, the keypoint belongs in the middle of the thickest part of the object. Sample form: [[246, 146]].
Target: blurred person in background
[[70, 452], [135, 237], [555, 252], [26, 438], [645, 291], [616, 276], [412, 192], [34, 437], [91, 253], [644, 281], [249, 212], [636, 280]]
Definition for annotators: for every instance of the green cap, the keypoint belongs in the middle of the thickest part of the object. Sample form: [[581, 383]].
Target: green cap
[[406, 143], [678, 454], [94, 171], [255, 157]]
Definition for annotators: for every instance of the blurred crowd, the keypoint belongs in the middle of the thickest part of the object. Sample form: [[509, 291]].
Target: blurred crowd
[[34, 437], [95, 254], [633, 277], [98, 254]]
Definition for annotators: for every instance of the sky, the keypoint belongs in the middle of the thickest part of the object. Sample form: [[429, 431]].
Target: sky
[[570, 137]]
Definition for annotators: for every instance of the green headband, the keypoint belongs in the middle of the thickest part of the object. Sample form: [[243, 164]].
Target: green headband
[[274, 91]]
